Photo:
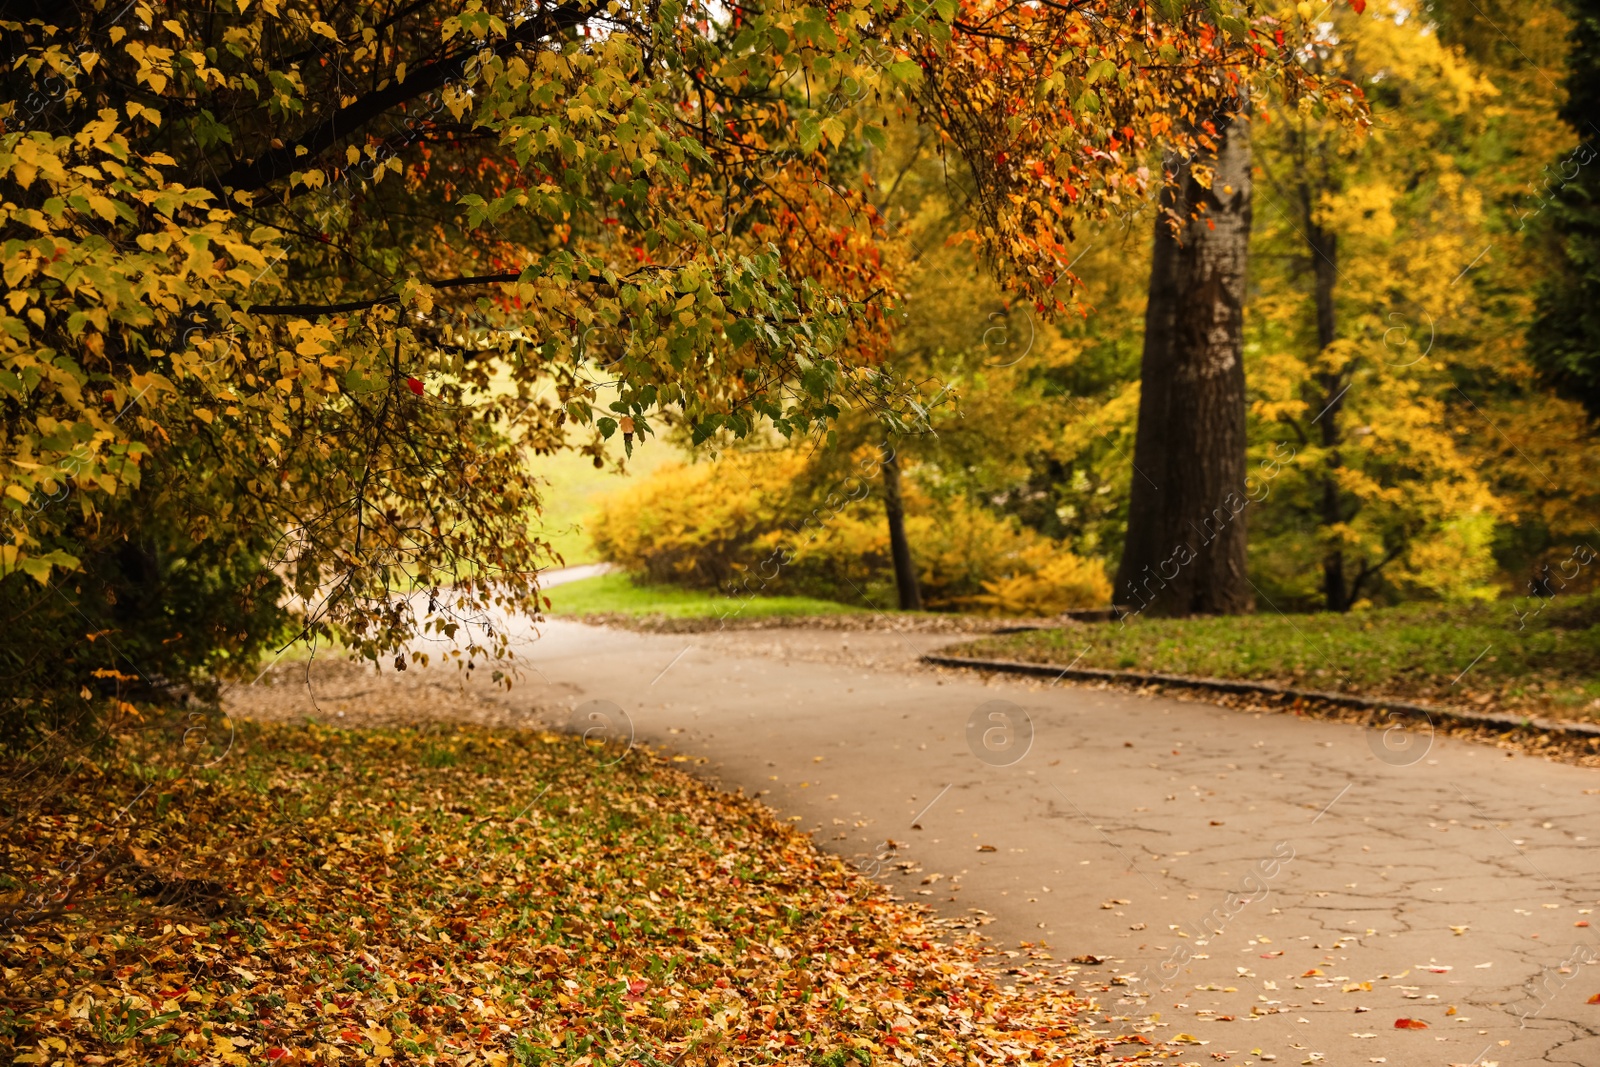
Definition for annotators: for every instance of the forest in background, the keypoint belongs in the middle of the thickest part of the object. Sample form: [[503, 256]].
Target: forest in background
[[1412, 416]]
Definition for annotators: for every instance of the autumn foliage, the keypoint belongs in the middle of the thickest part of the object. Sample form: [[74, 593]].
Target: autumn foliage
[[294, 291]]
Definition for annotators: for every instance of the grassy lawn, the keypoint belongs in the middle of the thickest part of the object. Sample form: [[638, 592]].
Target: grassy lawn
[[573, 488], [616, 594], [1418, 650], [506, 898]]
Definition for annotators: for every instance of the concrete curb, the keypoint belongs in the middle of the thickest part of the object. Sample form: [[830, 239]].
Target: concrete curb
[[1486, 720]]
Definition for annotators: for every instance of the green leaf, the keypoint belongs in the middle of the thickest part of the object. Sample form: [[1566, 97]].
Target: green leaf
[[810, 134], [1100, 71], [906, 70], [741, 331], [706, 427]]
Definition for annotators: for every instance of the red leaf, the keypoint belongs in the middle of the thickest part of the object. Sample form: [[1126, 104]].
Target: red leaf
[[414, 385], [1595, 999], [1359, 5], [1410, 1024], [276, 1053]]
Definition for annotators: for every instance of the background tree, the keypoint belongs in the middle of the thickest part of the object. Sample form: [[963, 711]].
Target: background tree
[[1565, 335], [1367, 316], [1535, 447]]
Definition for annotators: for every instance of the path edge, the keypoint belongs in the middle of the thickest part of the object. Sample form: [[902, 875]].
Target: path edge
[[1489, 720]]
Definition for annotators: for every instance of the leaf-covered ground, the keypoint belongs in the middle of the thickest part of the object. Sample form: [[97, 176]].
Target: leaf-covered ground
[[1522, 655], [466, 896]]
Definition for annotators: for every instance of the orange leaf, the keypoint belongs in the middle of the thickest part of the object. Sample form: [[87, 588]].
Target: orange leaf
[[1410, 1024]]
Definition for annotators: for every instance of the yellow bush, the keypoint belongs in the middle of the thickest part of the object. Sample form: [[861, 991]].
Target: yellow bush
[[1047, 581], [754, 523]]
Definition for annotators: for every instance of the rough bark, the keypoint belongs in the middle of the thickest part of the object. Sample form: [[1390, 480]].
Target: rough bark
[[905, 572], [1185, 548]]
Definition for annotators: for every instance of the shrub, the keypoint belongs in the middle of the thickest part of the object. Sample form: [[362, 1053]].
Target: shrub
[[766, 522], [157, 609]]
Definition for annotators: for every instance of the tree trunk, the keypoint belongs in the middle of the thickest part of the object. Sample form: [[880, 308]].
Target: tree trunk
[[1337, 593], [1185, 548], [905, 572]]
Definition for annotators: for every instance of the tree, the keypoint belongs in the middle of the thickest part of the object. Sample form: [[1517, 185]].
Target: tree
[[1185, 547], [1366, 322], [905, 571], [1537, 449], [1564, 338], [360, 261]]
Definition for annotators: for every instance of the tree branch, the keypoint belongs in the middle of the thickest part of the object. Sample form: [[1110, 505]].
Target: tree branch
[[262, 171]]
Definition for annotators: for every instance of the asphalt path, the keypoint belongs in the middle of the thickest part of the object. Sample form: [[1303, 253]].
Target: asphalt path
[[1274, 888]]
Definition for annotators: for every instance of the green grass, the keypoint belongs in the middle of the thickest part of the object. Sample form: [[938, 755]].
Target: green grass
[[617, 594], [1458, 654], [573, 488]]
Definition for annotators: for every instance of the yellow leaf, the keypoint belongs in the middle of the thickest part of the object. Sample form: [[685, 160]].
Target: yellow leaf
[[325, 29]]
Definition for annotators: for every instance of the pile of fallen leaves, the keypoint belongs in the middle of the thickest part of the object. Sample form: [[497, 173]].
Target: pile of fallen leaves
[[464, 896]]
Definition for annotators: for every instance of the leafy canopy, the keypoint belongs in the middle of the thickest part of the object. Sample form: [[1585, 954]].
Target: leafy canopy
[[327, 273]]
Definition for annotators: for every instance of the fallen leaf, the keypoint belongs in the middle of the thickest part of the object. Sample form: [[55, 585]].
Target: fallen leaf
[[1410, 1024]]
